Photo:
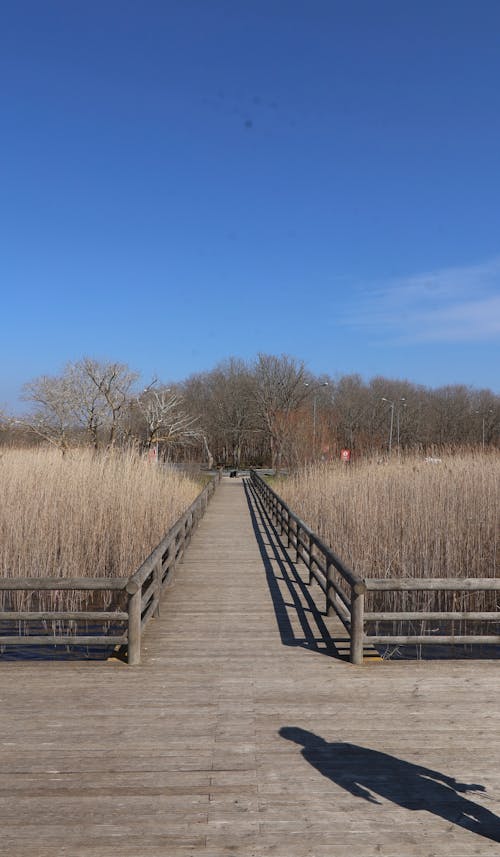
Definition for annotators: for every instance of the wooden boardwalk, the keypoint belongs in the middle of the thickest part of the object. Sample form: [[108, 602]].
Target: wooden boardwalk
[[244, 732]]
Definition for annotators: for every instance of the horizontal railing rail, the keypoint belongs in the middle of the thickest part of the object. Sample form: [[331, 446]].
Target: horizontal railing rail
[[436, 584], [146, 586], [54, 584], [143, 592], [345, 591]]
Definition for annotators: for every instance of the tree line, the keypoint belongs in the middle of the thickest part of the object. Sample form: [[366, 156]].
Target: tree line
[[268, 411]]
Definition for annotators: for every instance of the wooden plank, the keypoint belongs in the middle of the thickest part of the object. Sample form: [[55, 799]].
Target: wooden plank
[[173, 534], [234, 735], [149, 593], [49, 583], [410, 584], [62, 640], [146, 616], [342, 596], [320, 565], [351, 578], [357, 627], [343, 611], [319, 578], [91, 615], [435, 639], [425, 615], [134, 627]]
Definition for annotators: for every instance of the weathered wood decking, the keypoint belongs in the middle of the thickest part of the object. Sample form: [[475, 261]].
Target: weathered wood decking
[[200, 750]]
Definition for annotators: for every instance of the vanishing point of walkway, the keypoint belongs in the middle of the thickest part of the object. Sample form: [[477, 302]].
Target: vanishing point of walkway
[[244, 731]]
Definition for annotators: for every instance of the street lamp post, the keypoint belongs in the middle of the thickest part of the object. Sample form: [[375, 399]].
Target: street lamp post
[[403, 400], [389, 402], [392, 404], [484, 415]]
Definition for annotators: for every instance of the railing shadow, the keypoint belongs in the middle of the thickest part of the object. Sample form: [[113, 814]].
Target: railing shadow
[[365, 773], [278, 566]]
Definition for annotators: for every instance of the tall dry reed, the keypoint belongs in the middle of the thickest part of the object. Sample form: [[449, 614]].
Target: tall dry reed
[[406, 518], [84, 515]]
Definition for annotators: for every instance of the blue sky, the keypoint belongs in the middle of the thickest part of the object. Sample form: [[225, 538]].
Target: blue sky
[[191, 179]]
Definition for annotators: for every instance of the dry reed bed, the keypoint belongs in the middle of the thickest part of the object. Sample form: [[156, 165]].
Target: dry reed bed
[[82, 515], [407, 518]]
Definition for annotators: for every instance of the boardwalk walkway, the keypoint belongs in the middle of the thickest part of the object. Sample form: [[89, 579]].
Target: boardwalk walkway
[[244, 732]]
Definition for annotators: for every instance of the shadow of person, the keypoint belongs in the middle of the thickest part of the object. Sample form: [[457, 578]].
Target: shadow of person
[[366, 773]]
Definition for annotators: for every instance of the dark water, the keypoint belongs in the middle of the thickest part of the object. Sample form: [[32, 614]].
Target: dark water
[[59, 652], [56, 653], [439, 651]]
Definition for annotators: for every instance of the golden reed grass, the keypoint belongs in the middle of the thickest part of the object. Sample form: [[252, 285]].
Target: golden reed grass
[[407, 518], [83, 515]]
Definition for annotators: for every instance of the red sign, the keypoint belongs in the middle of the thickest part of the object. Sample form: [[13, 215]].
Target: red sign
[[345, 454]]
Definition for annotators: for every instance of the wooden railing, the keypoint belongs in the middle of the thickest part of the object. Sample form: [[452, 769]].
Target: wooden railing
[[345, 591], [143, 592], [147, 585]]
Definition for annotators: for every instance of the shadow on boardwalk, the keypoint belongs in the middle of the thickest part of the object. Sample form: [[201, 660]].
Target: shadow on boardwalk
[[363, 772], [280, 569]]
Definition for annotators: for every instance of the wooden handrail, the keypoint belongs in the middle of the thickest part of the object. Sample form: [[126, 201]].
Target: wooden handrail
[[146, 585], [144, 589], [434, 584], [351, 612], [348, 575], [52, 583]]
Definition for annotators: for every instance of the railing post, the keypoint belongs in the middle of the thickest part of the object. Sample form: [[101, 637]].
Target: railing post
[[357, 622], [134, 623], [158, 577], [311, 576], [182, 539], [330, 591], [288, 528], [297, 546]]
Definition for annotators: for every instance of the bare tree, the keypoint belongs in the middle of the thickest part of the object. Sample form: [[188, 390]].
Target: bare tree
[[88, 394], [258, 412], [280, 388], [224, 402], [53, 417], [113, 383], [88, 403], [233, 410], [348, 410], [165, 419]]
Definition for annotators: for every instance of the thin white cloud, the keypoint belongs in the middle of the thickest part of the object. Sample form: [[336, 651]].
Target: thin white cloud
[[449, 305], [470, 320]]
